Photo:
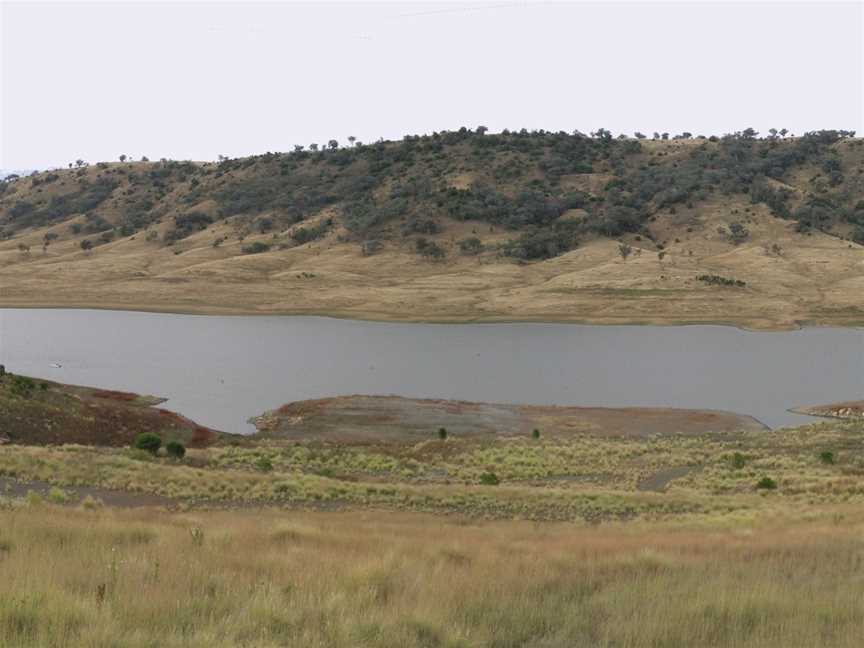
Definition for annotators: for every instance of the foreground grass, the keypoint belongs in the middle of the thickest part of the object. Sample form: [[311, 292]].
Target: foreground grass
[[147, 578]]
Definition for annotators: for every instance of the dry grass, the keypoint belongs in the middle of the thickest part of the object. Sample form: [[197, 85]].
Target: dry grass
[[586, 477], [815, 279], [120, 578]]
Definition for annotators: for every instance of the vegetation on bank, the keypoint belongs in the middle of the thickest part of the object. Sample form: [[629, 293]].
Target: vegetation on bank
[[549, 191], [45, 412], [587, 477]]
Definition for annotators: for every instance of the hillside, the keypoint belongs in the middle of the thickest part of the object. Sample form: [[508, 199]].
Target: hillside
[[42, 412], [464, 225]]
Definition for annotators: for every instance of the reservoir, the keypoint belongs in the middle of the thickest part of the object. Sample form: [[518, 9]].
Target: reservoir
[[220, 371]]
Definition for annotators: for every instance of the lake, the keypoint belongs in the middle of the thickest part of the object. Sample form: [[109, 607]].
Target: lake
[[219, 371]]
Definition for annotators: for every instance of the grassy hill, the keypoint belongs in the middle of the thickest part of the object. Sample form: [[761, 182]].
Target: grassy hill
[[42, 412], [459, 225]]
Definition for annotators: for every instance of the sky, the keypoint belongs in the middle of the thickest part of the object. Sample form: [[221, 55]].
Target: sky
[[196, 80]]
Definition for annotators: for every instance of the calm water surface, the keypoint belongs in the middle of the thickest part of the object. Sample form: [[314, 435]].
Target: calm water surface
[[220, 371]]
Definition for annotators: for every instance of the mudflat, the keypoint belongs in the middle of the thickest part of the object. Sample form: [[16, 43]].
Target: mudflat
[[394, 419]]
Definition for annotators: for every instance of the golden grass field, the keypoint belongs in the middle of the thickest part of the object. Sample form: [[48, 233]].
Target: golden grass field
[[101, 577]]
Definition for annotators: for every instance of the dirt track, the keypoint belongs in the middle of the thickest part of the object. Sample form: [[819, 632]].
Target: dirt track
[[76, 494]]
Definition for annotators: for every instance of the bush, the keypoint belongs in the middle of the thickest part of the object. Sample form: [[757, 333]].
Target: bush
[[57, 496], [175, 449], [22, 386], [717, 280], [489, 479], [256, 248], [311, 233], [766, 483], [149, 442], [471, 245], [264, 464], [827, 457], [442, 433], [535, 434], [429, 249], [738, 460]]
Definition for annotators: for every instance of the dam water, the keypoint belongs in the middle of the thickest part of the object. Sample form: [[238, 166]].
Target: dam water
[[220, 371]]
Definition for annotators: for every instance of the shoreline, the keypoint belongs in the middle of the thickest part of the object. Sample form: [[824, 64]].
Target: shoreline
[[205, 310]]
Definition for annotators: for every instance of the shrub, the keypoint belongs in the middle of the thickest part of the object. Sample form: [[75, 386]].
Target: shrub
[[256, 248], [442, 433], [766, 483], [535, 434], [91, 503], [57, 496], [175, 449], [149, 442], [22, 386], [717, 280], [471, 245], [738, 460], [311, 233], [429, 249], [489, 479], [264, 464], [826, 457]]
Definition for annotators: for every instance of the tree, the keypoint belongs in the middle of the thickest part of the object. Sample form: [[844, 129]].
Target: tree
[[149, 442], [86, 245], [144, 158], [175, 449], [123, 158], [482, 130], [442, 433], [79, 163], [298, 148], [352, 139], [313, 147], [471, 245], [333, 144], [639, 135], [624, 250], [783, 132]]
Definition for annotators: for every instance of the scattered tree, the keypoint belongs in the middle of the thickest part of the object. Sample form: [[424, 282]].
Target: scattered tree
[[149, 442], [175, 449]]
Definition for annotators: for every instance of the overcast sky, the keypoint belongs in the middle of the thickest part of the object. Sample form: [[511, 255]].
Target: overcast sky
[[195, 80]]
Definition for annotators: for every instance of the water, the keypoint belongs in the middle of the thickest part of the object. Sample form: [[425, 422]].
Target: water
[[220, 371]]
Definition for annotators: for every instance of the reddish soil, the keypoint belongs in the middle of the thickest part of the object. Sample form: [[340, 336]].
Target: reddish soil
[[373, 419], [844, 410], [53, 413]]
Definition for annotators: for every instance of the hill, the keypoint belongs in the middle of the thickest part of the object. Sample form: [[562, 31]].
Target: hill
[[42, 412], [762, 232]]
